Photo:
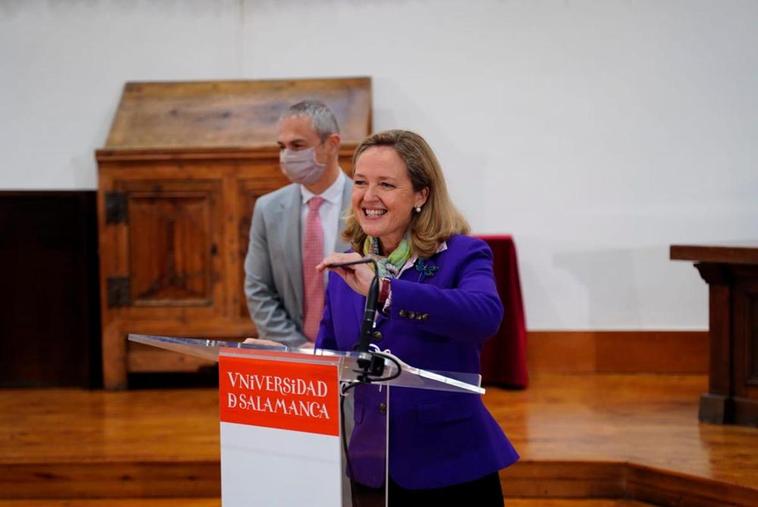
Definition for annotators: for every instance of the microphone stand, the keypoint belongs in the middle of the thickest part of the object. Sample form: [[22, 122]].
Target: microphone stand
[[371, 364]]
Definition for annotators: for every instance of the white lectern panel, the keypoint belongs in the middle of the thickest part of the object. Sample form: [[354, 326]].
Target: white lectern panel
[[275, 467]]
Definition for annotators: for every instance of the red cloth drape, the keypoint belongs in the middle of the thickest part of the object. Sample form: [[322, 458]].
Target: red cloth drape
[[504, 355]]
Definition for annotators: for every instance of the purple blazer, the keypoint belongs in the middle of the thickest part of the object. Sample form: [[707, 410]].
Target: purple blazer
[[441, 313]]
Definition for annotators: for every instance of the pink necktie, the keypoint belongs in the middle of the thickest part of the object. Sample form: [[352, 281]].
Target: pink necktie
[[313, 281]]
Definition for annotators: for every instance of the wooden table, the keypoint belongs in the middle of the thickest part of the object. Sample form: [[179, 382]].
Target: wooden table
[[731, 271]]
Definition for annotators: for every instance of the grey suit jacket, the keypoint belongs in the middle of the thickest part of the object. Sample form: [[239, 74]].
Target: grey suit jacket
[[273, 265]]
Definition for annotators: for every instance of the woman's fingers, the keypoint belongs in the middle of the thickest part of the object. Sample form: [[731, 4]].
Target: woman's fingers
[[337, 258], [357, 276]]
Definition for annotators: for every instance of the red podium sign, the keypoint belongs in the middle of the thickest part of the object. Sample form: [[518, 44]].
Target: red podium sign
[[286, 395]]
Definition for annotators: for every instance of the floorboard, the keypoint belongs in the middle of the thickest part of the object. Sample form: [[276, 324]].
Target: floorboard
[[649, 420]]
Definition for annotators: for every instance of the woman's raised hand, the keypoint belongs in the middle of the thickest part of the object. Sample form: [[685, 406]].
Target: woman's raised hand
[[357, 276]]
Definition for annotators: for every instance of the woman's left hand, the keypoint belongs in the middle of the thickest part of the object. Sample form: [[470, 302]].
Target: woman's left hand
[[357, 276]]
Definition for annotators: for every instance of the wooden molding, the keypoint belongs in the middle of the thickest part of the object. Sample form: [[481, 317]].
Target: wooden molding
[[262, 152], [663, 352], [110, 480], [737, 253]]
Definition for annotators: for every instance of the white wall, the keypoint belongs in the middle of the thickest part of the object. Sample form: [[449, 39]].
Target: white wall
[[597, 132]]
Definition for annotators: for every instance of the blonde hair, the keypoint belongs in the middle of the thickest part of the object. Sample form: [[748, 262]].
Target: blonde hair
[[439, 219]]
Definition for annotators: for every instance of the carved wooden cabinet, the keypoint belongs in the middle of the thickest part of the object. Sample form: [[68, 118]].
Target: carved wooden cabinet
[[178, 178]]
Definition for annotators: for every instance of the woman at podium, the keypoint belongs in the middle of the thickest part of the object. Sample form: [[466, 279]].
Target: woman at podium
[[437, 303]]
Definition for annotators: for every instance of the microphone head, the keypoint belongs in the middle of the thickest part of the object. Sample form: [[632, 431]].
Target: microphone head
[[362, 260]]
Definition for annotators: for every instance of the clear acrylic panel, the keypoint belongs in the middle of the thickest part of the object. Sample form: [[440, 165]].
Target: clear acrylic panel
[[364, 408], [365, 436], [409, 376]]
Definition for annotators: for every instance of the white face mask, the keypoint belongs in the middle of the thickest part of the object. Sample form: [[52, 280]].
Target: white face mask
[[301, 166]]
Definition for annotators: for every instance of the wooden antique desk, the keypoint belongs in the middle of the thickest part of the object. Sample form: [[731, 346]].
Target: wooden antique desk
[[731, 272], [177, 183]]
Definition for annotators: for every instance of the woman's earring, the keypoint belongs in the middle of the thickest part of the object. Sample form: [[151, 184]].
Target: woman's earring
[[418, 209]]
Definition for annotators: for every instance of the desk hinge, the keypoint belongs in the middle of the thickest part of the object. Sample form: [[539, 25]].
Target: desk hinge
[[116, 208], [118, 292]]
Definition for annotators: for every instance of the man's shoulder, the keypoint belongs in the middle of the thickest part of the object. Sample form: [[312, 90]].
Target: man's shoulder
[[282, 195]]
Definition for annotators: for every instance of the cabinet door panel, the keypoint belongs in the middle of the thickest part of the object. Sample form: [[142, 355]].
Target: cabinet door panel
[[173, 268], [172, 242]]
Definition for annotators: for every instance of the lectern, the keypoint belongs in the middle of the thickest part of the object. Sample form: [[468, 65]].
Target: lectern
[[286, 419]]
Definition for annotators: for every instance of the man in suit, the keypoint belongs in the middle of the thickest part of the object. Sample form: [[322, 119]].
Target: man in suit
[[295, 227]]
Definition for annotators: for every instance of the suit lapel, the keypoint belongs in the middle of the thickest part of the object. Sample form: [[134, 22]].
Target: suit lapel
[[293, 244], [340, 245]]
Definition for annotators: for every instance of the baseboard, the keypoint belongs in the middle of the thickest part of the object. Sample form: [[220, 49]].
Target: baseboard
[[660, 352]]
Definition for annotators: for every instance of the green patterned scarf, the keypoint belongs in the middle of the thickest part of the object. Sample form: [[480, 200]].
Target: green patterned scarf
[[389, 266]]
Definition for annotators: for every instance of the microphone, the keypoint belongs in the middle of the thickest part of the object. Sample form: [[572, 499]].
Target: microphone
[[369, 313], [370, 364], [367, 324], [362, 260]]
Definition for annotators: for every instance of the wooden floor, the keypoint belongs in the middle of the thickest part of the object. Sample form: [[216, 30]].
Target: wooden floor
[[594, 440], [211, 502], [648, 420]]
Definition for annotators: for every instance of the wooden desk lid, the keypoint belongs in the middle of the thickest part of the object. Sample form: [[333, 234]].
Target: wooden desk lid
[[229, 114]]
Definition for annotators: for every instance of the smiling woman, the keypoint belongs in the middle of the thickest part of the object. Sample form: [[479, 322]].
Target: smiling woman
[[384, 198], [401, 161], [437, 305]]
